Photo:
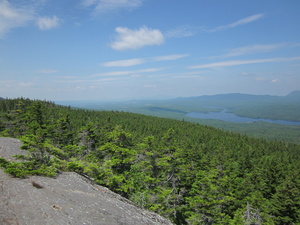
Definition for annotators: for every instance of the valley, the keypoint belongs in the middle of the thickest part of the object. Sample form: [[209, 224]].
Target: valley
[[186, 172], [270, 117]]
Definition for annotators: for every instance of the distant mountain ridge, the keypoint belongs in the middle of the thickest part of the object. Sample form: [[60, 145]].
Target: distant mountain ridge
[[294, 94], [243, 97]]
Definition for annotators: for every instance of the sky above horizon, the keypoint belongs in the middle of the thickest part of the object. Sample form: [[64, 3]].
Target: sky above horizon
[[133, 49]]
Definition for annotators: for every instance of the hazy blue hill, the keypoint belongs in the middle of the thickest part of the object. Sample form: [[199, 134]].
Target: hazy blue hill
[[264, 106], [164, 109], [295, 96], [238, 97], [244, 105], [223, 99]]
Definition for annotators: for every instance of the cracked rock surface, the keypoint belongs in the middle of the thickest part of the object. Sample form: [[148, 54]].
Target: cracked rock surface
[[66, 199]]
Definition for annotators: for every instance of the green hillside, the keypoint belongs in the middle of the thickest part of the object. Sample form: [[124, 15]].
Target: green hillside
[[244, 105], [190, 173]]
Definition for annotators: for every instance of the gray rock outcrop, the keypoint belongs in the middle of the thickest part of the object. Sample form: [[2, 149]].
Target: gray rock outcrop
[[66, 199]]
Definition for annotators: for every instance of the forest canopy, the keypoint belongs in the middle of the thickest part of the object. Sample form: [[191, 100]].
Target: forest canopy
[[189, 173]]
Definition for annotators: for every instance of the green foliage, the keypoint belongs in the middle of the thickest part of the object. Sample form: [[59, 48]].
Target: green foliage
[[25, 169], [3, 163], [286, 201], [75, 166], [210, 197], [190, 173]]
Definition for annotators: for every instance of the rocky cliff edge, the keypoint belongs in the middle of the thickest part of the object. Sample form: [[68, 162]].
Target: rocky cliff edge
[[67, 199]]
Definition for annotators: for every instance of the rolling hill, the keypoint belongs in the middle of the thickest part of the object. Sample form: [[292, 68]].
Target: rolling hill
[[186, 172], [243, 105]]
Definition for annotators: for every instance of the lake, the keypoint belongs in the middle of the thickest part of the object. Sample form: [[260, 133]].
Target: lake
[[230, 117]]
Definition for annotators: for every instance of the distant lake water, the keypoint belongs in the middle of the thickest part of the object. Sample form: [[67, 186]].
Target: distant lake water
[[230, 117]]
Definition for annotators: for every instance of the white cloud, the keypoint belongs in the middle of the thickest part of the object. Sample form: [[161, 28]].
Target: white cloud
[[124, 63], [12, 17], [150, 86], [196, 72], [247, 74], [240, 22], [243, 62], [170, 57], [47, 23], [104, 6], [138, 61], [128, 72], [182, 31], [25, 84], [149, 70], [114, 73], [47, 71], [6, 84], [252, 49], [105, 79], [185, 76], [188, 30], [134, 39], [88, 2], [262, 79]]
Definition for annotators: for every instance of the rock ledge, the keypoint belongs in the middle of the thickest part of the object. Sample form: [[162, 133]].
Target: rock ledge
[[67, 199]]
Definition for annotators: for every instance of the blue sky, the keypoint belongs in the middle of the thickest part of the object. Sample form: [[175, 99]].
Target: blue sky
[[133, 49]]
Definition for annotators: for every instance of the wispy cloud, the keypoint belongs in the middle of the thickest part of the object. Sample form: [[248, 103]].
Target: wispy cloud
[[138, 61], [240, 22], [151, 86], [12, 17], [247, 74], [243, 62], [196, 72], [47, 71], [25, 84], [182, 31], [19, 15], [124, 63], [150, 70], [106, 6], [6, 84], [113, 73], [87, 81], [128, 72], [170, 57], [47, 23], [262, 79], [134, 39], [188, 76], [251, 49]]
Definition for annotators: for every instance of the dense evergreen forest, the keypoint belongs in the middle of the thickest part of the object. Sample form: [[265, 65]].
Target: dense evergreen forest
[[190, 173], [243, 105]]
